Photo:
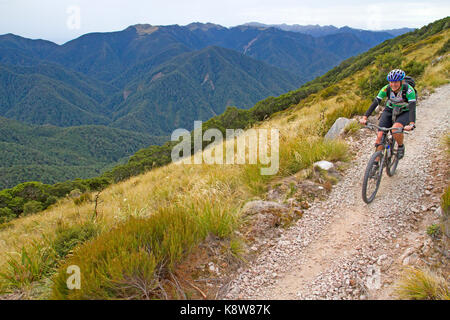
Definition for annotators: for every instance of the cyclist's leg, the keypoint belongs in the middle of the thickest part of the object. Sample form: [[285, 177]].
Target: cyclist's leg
[[378, 144], [398, 136], [385, 121], [401, 121]]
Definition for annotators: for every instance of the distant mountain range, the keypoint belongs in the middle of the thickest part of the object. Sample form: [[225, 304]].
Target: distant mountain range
[[320, 31], [148, 80]]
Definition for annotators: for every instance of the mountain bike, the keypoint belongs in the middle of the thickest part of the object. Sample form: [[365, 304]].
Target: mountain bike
[[387, 158]]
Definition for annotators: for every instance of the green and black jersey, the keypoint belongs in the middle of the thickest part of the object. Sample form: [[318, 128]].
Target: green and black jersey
[[396, 99]]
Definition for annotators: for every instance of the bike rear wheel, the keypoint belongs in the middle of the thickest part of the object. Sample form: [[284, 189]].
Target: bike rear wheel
[[392, 162], [372, 178]]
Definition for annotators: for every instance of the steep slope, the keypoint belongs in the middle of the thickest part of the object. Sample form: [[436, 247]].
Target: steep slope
[[197, 86], [303, 54], [48, 93], [296, 52]]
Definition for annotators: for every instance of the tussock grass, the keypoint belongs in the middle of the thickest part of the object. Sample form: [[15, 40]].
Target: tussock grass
[[437, 75], [352, 127], [348, 110], [27, 266], [302, 151], [446, 143], [40, 260], [237, 248], [132, 259], [422, 284]]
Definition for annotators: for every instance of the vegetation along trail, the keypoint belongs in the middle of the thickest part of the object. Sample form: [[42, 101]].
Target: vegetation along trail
[[343, 248]]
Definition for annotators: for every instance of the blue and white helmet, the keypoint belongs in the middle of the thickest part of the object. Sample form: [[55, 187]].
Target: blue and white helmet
[[396, 75]]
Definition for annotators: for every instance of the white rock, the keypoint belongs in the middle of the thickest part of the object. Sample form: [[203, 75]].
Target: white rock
[[324, 165]]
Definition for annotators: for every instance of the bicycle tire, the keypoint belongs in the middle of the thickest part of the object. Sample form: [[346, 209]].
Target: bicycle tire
[[391, 165], [367, 174]]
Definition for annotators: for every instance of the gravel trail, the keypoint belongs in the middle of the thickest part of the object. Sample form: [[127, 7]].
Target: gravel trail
[[342, 248]]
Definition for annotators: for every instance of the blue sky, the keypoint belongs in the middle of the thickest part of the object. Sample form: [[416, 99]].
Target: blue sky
[[63, 20]]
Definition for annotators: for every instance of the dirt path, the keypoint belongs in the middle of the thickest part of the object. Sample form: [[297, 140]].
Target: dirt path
[[345, 249]]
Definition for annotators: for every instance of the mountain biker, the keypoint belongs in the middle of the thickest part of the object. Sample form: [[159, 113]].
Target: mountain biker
[[405, 110]]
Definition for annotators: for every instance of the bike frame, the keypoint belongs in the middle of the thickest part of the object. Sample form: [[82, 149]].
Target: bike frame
[[386, 138], [386, 155]]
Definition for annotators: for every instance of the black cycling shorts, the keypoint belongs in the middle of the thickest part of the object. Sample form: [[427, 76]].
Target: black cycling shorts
[[386, 118]]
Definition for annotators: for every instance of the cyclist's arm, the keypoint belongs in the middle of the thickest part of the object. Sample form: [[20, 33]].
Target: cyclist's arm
[[412, 111], [411, 96], [382, 94], [372, 107]]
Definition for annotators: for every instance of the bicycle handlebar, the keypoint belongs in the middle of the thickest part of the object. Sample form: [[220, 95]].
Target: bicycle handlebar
[[372, 125]]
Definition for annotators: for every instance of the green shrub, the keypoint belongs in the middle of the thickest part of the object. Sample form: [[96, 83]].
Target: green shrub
[[414, 68], [50, 200], [376, 80], [32, 207], [434, 230], [330, 92], [6, 214]]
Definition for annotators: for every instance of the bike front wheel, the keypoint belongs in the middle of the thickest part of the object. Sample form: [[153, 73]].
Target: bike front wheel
[[372, 177]]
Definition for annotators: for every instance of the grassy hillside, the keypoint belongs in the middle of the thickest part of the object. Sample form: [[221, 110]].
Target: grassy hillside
[[146, 226]]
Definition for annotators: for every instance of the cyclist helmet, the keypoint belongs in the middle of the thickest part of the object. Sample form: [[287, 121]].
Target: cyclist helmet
[[396, 75]]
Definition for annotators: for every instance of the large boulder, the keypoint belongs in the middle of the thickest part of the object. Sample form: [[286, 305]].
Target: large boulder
[[338, 127]]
